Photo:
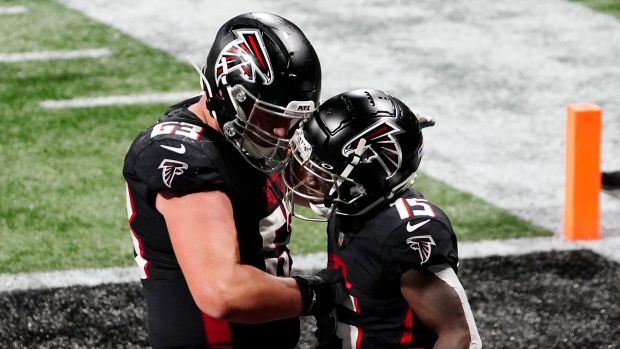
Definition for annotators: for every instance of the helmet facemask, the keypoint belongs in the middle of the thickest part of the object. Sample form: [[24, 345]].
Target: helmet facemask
[[261, 130], [258, 129]]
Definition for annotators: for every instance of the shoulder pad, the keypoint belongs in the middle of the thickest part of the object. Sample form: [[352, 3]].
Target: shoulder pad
[[418, 244], [169, 157]]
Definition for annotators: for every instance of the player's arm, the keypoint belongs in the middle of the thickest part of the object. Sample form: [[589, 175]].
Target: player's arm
[[204, 238], [439, 300]]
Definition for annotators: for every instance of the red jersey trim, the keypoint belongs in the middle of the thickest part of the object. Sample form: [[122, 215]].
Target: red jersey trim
[[217, 332]]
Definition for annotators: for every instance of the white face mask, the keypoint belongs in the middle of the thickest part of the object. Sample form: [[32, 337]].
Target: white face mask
[[320, 209]]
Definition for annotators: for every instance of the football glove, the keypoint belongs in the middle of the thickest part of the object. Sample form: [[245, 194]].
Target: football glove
[[321, 292], [326, 326]]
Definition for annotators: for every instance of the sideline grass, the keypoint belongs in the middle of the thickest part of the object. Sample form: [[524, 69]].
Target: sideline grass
[[62, 189], [611, 7]]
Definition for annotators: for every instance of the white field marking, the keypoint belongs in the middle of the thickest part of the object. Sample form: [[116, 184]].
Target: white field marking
[[170, 97], [12, 10], [608, 247], [48, 55], [66, 278]]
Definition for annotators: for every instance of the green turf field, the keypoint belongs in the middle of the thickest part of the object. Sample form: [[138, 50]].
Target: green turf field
[[63, 195], [611, 7]]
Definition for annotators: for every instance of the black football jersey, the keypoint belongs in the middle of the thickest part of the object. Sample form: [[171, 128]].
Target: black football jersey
[[409, 233], [184, 155]]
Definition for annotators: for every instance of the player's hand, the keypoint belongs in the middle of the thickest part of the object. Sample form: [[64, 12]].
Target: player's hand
[[326, 326], [321, 292], [425, 121]]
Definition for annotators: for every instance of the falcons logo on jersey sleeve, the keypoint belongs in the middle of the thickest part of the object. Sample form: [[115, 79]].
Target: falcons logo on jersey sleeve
[[381, 146], [248, 55], [422, 244], [171, 168]]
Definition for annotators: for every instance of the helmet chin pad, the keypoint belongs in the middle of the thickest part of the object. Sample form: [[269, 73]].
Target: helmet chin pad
[[320, 210]]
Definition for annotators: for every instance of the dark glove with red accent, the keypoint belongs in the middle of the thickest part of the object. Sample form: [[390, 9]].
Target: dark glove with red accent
[[321, 292], [326, 326]]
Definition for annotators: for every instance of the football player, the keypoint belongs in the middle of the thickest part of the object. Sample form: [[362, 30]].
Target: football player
[[353, 163], [204, 197]]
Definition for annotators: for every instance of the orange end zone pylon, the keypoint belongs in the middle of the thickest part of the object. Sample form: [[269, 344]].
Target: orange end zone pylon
[[583, 176]]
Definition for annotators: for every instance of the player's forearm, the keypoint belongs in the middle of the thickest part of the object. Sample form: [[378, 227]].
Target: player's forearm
[[251, 296], [468, 334], [455, 340]]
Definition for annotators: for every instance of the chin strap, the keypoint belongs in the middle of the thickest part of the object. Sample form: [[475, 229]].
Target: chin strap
[[402, 186], [357, 156], [215, 103]]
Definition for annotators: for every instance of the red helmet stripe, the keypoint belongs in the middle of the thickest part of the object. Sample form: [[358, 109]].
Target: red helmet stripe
[[256, 51], [378, 131]]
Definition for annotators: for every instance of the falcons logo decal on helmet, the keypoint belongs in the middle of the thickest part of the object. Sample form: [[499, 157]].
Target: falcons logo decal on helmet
[[422, 244], [171, 168], [380, 146], [248, 55]]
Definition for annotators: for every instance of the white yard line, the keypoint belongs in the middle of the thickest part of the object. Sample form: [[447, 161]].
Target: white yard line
[[66, 278], [12, 10], [170, 97], [609, 247], [48, 55]]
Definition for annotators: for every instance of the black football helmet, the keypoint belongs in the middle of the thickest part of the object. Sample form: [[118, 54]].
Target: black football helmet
[[357, 150], [262, 76]]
